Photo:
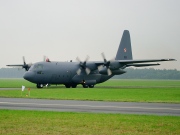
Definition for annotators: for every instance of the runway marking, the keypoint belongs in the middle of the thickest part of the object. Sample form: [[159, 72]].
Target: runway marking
[[38, 104]]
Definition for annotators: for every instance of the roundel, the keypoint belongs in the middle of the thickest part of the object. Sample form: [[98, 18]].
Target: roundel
[[125, 49]]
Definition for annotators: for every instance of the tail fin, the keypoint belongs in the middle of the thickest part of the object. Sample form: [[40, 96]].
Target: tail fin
[[124, 51]]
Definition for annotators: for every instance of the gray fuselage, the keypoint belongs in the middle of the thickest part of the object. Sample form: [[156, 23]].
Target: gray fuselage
[[62, 73]]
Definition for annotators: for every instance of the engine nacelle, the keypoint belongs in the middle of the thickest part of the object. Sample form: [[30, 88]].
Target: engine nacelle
[[118, 72], [114, 72]]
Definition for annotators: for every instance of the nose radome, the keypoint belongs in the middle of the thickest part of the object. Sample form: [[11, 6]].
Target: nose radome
[[28, 76]]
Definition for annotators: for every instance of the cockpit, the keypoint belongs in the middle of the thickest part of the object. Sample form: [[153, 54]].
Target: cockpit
[[36, 67]]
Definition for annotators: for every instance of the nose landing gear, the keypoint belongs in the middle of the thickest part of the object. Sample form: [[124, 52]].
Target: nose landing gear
[[39, 86], [70, 85]]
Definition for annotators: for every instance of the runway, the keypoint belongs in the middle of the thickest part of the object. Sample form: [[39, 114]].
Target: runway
[[90, 106]]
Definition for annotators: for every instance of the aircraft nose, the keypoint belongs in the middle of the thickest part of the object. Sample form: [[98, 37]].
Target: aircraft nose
[[28, 76]]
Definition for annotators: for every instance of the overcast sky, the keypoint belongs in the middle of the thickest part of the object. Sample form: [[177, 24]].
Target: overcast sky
[[65, 29]]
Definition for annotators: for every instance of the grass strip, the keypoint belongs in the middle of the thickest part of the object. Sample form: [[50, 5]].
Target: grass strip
[[17, 83], [162, 91], [40, 122], [161, 95]]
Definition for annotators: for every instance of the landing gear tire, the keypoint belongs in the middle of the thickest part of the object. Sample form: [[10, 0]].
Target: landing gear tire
[[74, 86], [85, 86], [91, 86], [67, 86], [39, 85]]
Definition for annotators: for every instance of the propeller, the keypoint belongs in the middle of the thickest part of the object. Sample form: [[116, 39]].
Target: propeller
[[83, 66], [106, 64], [26, 66]]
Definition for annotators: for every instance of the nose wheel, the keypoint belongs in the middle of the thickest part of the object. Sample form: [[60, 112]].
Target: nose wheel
[[39, 85]]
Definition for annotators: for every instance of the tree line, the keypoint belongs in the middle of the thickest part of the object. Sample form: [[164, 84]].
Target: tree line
[[131, 73], [11, 73], [150, 73]]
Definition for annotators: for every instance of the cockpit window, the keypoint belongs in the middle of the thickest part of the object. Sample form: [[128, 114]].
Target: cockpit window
[[31, 68], [36, 67]]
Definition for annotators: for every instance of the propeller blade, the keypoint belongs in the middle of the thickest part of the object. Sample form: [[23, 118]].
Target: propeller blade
[[87, 58], [82, 66], [104, 58], [109, 72], [87, 71], [106, 64], [78, 59], [24, 65], [100, 67], [24, 60], [78, 71], [29, 64], [113, 59]]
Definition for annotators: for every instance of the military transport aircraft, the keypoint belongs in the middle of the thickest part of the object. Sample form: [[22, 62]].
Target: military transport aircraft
[[87, 73]]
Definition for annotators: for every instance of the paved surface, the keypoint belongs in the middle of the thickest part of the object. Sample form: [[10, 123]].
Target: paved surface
[[90, 106]]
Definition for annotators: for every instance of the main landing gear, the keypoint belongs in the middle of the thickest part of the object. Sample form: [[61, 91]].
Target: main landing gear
[[69, 86], [75, 85], [86, 86]]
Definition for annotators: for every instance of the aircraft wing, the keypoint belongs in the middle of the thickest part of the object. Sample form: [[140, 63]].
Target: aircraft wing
[[15, 65], [143, 61], [25, 66], [135, 63], [128, 63]]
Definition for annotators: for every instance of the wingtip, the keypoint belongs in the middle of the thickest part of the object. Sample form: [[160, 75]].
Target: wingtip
[[169, 60], [172, 59]]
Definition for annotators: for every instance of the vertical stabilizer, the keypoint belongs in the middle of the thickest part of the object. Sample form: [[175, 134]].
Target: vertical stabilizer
[[124, 51]]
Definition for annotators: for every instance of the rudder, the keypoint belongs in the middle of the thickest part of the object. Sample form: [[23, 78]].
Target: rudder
[[124, 51]]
